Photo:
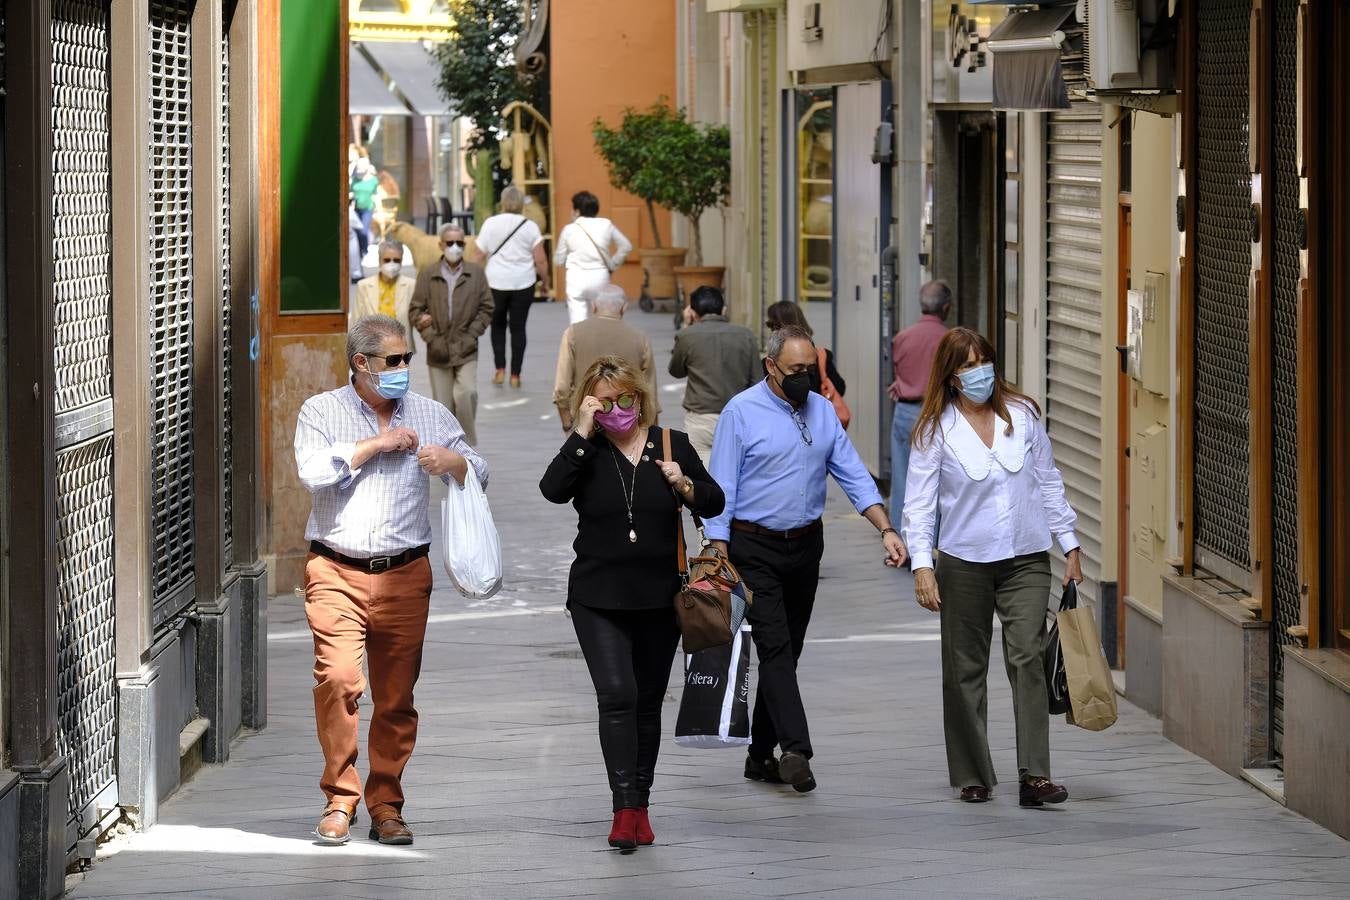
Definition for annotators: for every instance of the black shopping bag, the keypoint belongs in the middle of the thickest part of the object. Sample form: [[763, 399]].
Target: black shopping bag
[[715, 705], [1056, 680]]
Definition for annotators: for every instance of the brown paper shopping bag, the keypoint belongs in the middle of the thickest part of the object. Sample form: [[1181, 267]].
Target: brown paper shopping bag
[[1092, 693]]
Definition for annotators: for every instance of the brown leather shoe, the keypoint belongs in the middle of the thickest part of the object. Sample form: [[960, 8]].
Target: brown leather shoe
[[976, 793], [1038, 791], [336, 825], [391, 830]]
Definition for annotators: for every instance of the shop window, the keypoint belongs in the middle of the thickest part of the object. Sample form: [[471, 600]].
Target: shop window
[[815, 194]]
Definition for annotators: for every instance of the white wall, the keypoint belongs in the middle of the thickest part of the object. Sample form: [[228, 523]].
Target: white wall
[[849, 31]]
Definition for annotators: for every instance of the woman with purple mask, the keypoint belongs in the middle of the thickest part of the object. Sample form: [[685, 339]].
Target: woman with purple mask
[[625, 576]]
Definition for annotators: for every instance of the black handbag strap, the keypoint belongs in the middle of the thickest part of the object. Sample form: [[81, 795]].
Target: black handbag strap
[[519, 225], [1069, 600]]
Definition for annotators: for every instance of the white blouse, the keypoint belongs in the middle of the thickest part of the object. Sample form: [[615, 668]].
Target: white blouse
[[584, 244], [983, 504]]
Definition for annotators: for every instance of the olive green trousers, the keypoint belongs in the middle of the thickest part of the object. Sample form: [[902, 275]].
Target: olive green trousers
[[1018, 591]]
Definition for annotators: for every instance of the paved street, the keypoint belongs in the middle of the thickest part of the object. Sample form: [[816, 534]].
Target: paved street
[[507, 792]]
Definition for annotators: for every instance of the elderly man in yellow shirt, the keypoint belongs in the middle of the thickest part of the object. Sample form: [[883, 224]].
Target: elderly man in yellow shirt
[[388, 292]]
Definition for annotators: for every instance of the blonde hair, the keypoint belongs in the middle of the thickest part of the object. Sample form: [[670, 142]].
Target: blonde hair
[[624, 376], [513, 199]]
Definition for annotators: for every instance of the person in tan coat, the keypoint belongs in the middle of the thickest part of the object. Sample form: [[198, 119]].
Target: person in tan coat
[[603, 334], [388, 291], [451, 308]]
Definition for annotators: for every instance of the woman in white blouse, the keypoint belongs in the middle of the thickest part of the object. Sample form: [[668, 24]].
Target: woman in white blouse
[[984, 489], [584, 247]]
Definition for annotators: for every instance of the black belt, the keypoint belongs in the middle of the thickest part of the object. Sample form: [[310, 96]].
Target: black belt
[[789, 534], [918, 402], [374, 563]]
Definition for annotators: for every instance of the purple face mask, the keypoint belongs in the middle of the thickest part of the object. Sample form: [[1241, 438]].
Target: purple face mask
[[617, 421]]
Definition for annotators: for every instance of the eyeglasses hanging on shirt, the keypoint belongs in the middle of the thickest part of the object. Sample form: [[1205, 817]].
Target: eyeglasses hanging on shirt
[[801, 427]]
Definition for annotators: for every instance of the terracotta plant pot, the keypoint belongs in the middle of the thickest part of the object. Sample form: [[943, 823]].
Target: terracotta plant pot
[[691, 278], [658, 272]]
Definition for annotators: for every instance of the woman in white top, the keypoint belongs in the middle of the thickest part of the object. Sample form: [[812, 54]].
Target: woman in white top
[[983, 487], [584, 248], [514, 248]]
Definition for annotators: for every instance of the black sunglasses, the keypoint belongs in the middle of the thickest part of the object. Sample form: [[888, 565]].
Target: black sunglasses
[[395, 359], [454, 243]]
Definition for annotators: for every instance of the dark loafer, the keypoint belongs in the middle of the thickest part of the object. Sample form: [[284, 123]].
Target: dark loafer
[[391, 830], [765, 770], [1038, 791], [335, 827], [795, 769], [976, 793]]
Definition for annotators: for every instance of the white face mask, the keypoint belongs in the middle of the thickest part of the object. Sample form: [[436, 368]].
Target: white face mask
[[391, 270], [453, 254]]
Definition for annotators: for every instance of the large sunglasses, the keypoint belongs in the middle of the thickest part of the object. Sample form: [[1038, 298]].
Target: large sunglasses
[[454, 244], [394, 360], [625, 401]]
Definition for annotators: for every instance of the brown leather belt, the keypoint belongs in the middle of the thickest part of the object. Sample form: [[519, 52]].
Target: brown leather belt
[[752, 528], [374, 564]]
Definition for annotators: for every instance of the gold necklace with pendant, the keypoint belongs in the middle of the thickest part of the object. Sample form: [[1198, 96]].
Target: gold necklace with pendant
[[627, 497]]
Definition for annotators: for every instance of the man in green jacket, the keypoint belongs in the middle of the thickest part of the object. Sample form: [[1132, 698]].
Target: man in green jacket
[[719, 360]]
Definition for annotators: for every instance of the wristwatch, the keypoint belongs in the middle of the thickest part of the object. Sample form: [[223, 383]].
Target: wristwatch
[[687, 486], [886, 531]]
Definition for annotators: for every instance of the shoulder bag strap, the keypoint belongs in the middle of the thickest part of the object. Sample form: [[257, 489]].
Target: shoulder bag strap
[[604, 257], [681, 559], [519, 225]]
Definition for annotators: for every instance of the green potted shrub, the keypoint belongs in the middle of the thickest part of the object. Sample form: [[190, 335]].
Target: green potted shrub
[[695, 164], [629, 151]]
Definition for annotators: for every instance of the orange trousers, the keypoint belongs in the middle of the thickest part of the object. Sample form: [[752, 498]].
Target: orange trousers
[[380, 619]]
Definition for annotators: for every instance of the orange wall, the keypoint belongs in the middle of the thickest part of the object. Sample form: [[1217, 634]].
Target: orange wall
[[605, 55]]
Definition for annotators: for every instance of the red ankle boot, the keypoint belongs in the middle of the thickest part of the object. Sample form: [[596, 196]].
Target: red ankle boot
[[645, 838], [623, 835]]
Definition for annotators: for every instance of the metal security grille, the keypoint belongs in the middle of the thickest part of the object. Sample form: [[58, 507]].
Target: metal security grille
[[1222, 266], [86, 660], [226, 431], [81, 213], [1286, 278], [1073, 272], [86, 650], [171, 302]]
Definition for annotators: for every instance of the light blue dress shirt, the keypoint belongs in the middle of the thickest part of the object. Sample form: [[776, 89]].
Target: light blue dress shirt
[[770, 475]]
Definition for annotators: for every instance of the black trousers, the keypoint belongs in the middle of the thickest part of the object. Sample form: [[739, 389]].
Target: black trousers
[[783, 574], [514, 305], [629, 653]]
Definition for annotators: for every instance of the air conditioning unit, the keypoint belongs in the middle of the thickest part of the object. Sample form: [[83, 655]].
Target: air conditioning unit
[[1127, 45]]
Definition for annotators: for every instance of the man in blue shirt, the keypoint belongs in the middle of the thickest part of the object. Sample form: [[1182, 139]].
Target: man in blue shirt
[[775, 444]]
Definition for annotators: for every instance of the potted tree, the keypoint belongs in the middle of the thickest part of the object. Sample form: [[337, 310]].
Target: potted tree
[[695, 162], [632, 152]]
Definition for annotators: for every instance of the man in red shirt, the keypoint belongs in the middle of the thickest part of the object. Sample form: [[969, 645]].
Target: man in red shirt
[[912, 356]]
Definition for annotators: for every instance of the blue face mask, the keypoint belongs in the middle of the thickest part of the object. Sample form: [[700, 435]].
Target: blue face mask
[[392, 384], [978, 383]]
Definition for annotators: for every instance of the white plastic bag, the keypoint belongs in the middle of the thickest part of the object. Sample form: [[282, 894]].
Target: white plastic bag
[[472, 550]]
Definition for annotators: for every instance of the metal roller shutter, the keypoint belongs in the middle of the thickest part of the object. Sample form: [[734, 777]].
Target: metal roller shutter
[[1073, 271], [1222, 266], [171, 304], [81, 250], [1287, 276], [226, 430]]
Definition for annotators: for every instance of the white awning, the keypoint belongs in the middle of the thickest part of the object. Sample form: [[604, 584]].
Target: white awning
[[413, 73], [366, 91]]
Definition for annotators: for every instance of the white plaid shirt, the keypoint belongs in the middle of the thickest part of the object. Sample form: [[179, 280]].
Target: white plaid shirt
[[379, 509]]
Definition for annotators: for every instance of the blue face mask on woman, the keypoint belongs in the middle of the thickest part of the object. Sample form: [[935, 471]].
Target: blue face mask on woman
[[392, 383], [978, 383]]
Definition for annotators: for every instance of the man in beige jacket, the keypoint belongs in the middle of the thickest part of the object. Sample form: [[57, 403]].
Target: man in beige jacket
[[451, 308], [388, 291], [603, 334]]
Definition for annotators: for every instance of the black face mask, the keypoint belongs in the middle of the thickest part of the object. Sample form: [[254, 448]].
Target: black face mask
[[798, 386]]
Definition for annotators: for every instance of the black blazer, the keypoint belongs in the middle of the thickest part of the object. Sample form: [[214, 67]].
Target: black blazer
[[612, 572]]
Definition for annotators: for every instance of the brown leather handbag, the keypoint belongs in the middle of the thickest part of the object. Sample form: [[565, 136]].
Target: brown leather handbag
[[710, 586]]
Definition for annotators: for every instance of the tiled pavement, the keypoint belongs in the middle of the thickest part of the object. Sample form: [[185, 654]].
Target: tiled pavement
[[508, 795]]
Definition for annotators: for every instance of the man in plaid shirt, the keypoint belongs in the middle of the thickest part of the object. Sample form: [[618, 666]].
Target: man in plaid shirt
[[365, 452]]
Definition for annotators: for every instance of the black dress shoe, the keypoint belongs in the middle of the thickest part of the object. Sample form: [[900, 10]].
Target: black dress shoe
[[976, 793], [1038, 791], [795, 769], [765, 770]]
